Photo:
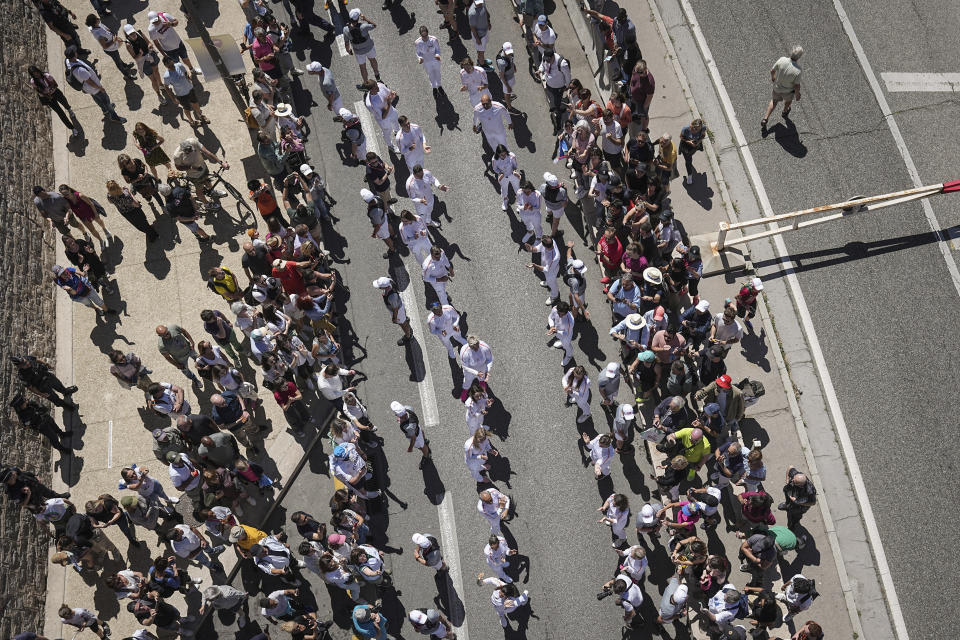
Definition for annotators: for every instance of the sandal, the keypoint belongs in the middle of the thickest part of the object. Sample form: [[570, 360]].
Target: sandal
[[763, 123]]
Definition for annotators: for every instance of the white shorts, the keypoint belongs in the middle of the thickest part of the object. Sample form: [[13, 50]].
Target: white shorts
[[363, 57], [418, 442], [384, 232], [481, 44], [401, 316]]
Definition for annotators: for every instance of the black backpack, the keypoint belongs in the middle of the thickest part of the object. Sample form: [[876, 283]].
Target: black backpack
[[510, 66], [75, 84], [356, 34], [347, 127]]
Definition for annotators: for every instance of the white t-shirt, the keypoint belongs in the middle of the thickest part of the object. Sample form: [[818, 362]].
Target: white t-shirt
[[187, 544], [79, 616], [100, 32], [727, 331], [786, 75], [86, 76], [179, 475], [164, 33], [632, 598]]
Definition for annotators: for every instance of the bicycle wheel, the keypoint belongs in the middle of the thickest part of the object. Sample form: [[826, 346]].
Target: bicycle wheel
[[242, 207]]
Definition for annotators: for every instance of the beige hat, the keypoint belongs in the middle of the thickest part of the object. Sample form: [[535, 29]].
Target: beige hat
[[284, 110], [237, 534], [653, 275], [635, 321]]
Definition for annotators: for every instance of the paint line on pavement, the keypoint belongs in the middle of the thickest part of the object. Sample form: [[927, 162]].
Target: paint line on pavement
[[339, 38], [921, 82], [428, 402], [109, 443], [806, 321]]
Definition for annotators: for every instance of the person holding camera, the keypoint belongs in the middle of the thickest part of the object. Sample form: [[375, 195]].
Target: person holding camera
[[506, 598], [629, 597], [798, 594]]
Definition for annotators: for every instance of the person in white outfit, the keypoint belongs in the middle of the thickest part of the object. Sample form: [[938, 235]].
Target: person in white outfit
[[428, 54], [413, 144], [507, 170], [473, 80], [444, 322], [608, 384], [634, 562], [560, 322], [379, 102], [477, 404], [350, 468], [616, 515], [496, 552], [576, 385], [601, 453], [530, 205], [506, 598], [413, 232], [476, 451], [420, 186], [437, 271], [476, 359], [494, 506], [549, 264], [493, 119]]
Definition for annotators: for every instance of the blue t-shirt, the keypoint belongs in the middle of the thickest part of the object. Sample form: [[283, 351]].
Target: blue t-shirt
[[179, 79], [367, 629]]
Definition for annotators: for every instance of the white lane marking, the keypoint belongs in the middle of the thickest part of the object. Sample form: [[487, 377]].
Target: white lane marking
[[428, 401], [856, 476], [109, 443], [933, 82], [339, 38]]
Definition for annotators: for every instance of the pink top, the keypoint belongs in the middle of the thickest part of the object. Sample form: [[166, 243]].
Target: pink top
[[261, 49]]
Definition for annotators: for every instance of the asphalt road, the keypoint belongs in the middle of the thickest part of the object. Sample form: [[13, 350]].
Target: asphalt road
[[877, 285], [556, 496]]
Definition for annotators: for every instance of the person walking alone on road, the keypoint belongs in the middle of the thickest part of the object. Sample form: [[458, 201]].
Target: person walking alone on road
[[427, 552], [549, 265], [420, 186], [479, 19], [495, 507], [785, 76], [496, 552], [357, 40], [561, 323], [410, 426], [506, 169], [377, 214], [691, 141], [473, 80], [444, 322], [576, 385], [412, 143], [428, 54], [437, 271], [476, 453], [493, 119], [398, 314]]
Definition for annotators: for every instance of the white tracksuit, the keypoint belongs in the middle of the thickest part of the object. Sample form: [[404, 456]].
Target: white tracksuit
[[497, 559], [414, 138], [472, 457], [531, 212], [510, 170], [601, 456], [564, 327], [414, 235], [475, 415], [429, 53], [434, 269], [422, 189], [442, 326], [388, 123], [474, 362], [502, 605], [493, 122], [580, 392], [472, 81], [550, 260]]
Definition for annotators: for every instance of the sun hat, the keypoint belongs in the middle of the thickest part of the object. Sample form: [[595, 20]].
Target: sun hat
[[635, 321], [652, 275]]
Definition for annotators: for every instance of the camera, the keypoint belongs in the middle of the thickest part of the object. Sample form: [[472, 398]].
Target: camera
[[607, 591]]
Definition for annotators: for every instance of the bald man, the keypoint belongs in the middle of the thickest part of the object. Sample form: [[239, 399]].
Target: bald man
[[696, 448], [799, 495], [493, 506]]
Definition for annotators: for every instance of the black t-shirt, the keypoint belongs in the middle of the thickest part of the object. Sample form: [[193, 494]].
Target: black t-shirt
[[642, 152], [764, 611], [310, 527], [376, 173], [202, 426], [410, 424], [309, 218], [258, 263], [35, 375], [81, 257]]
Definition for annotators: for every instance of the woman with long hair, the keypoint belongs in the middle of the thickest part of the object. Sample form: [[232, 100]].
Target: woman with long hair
[[146, 57], [49, 94], [86, 212], [149, 142]]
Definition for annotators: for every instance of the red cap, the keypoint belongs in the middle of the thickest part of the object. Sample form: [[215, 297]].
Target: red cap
[[724, 381]]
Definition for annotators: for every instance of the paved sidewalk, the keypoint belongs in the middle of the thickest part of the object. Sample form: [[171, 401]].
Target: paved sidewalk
[[159, 283], [775, 420]]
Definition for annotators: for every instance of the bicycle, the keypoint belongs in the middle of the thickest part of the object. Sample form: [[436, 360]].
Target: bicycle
[[210, 190]]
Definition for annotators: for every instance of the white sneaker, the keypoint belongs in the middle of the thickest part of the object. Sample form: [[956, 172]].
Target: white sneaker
[[573, 174], [301, 564], [566, 361], [504, 205], [173, 500], [557, 345], [250, 500], [220, 193], [549, 302], [583, 418], [544, 285], [689, 179]]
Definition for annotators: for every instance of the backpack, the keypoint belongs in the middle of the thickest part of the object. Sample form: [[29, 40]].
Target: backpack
[[433, 616], [752, 390], [249, 118], [356, 34], [509, 64], [347, 127], [72, 80]]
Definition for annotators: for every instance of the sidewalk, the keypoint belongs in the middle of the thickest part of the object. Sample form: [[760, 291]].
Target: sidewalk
[[775, 419], [158, 286]]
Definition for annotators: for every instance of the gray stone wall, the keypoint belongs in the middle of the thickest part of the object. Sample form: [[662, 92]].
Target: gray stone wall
[[26, 303]]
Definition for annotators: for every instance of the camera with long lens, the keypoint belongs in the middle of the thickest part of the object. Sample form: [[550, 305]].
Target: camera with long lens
[[607, 591]]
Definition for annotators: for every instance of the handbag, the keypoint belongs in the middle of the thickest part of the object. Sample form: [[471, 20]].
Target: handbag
[[99, 207]]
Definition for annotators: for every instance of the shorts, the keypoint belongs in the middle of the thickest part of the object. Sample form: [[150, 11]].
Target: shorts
[[779, 96], [180, 53], [481, 45], [190, 97], [200, 180], [419, 441], [401, 316], [363, 57], [384, 231]]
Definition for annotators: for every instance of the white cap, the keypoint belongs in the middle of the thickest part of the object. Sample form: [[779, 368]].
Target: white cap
[[129, 28], [397, 408], [578, 265], [628, 411], [314, 67], [256, 334], [477, 1], [306, 169], [345, 114], [355, 14], [613, 368], [421, 540], [151, 16], [367, 195], [703, 305], [417, 617], [382, 283], [680, 595], [757, 284], [277, 264], [647, 515], [550, 179], [507, 48]]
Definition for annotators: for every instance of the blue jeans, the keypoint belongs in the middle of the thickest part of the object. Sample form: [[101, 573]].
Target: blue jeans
[[203, 559], [103, 101]]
